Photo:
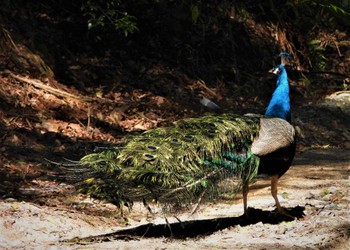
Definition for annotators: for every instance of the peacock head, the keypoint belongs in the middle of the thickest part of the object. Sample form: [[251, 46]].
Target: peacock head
[[285, 59]]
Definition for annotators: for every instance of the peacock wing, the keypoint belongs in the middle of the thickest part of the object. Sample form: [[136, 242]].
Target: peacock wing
[[274, 134]]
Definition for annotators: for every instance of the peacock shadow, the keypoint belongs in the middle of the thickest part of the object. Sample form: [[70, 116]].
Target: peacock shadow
[[194, 228]]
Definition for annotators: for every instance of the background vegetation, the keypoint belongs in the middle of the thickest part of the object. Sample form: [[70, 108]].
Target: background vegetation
[[208, 39], [134, 65]]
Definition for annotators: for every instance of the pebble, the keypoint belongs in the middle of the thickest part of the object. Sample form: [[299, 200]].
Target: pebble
[[317, 203], [327, 197], [10, 200], [346, 197], [110, 206], [327, 213], [332, 190], [332, 206], [309, 196], [281, 230]]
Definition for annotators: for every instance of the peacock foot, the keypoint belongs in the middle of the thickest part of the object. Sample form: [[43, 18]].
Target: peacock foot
[[251, 213]]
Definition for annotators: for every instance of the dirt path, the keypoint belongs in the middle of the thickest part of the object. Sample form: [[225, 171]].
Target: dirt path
[[319, 182]]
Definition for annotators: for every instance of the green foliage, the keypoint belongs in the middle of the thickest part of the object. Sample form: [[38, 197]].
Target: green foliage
[[317, 58], [337, 7], [195, 13], [300, 12], [101, 13], [346, 85], [309, 14], [305, 19]]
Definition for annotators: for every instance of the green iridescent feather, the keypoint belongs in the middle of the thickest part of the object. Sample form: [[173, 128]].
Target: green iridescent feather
[[176, 163]]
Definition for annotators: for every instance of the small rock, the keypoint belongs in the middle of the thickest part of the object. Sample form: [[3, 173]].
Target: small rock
[[309, 196], [88, 201], [314, 193], [327, 213], [346, 199], [309, 211], [317, 203], [10, 200], [281, 230], [111, 206], [259, 225], [327, 197], [332, 190], [332, 206]]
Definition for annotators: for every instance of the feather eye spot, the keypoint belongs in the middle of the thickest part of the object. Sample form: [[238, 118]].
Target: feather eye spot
[[212, 132], [220, 121], [212, 125], [238, 147], [148, 157], [188, 137], [152, 148]]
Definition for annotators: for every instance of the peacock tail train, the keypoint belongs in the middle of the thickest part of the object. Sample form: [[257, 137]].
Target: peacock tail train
[[174, 165]]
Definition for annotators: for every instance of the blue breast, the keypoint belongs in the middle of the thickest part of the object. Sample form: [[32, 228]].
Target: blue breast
[[279, 105]]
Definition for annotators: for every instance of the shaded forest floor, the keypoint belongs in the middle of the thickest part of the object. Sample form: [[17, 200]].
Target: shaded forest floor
[[60, 99], [39, 209]]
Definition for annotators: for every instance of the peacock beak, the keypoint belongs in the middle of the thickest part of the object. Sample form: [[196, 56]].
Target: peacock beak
[[274, 70]]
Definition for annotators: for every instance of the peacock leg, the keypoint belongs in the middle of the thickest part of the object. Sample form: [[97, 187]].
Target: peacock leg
[[280, 210], [245, 196], [274, 182]]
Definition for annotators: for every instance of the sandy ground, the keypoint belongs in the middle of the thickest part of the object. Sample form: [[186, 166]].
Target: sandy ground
[[318, 182]]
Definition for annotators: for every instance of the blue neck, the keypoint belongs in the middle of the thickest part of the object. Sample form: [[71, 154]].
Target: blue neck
[[279, 105]]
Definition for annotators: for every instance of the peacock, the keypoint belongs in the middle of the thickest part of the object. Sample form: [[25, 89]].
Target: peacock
[[179, 164]]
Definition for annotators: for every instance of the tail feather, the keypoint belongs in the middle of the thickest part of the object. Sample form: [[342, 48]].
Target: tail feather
[[176, 163]]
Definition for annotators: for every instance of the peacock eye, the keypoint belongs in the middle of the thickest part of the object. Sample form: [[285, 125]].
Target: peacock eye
[[220, 121], [212, 125], [188, 137], [148, 157], [211, 132], [238, 147], [152, 148]]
